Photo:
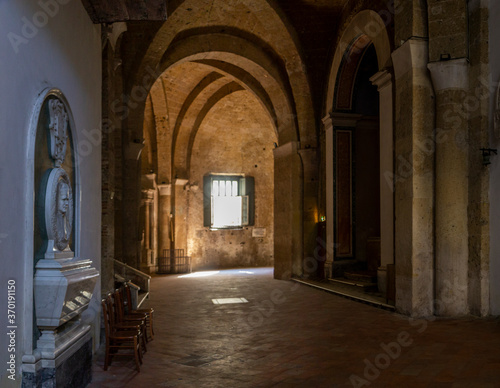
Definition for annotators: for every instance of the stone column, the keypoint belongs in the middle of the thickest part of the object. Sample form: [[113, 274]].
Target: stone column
[[330, 204], [383, 81], [309, 158], [414, 179], [147, 198], [288, 211], [180, 213], [164, 211], [450, 79]]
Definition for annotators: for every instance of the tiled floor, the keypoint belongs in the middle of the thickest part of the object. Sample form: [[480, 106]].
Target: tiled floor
[[291, 335]]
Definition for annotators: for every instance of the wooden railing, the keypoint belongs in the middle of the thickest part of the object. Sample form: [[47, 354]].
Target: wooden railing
[[139, 281]]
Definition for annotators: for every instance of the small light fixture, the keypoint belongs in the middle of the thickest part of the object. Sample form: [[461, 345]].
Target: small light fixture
[[487, 152], [322, 218]]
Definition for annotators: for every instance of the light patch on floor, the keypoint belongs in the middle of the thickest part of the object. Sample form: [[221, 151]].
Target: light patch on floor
[[199, 274], [229, 300]]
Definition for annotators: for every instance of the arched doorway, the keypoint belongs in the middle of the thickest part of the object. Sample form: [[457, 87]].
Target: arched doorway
[[359, 158], [357, 165]]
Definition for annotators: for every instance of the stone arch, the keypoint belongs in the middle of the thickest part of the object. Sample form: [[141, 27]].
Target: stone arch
[[210, 80], [250, 43], [222, 50], [149, 154], [370, 24], [263, 20], [159, 108], [224, 91]]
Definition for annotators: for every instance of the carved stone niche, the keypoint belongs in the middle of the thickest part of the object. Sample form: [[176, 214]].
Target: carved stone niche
[[63, 283]]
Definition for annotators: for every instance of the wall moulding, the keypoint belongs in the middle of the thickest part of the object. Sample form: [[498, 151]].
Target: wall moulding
[[345, 119], [382, 79]]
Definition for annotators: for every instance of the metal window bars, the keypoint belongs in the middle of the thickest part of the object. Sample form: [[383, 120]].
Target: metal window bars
[[174, 261]]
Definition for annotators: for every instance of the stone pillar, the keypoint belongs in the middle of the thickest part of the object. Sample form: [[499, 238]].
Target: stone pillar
[[383, 81], [450, 79], [148, 200], [180, 214], [414, 179], [288, 209], [330, 204], [482, 273], [131, 204], [309, 158], [164, 211]]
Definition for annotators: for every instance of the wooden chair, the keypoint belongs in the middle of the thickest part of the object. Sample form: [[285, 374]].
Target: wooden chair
[[147, 313], [123, 321], [118, 339]]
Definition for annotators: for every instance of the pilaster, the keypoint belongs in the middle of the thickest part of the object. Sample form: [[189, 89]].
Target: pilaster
[[330, 204], [179, 239], [413, 179], [450, 79], [383, 81], [288, 212], [309, 159]]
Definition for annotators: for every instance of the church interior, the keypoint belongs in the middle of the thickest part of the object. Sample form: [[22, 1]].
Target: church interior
[[348, 145]]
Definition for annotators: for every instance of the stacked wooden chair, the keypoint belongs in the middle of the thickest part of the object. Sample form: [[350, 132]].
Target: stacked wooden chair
[[119, 338], [147, 313], [125, 328], [124, 321]]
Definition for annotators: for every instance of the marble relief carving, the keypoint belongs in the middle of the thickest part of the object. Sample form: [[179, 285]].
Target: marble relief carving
[[58, 131], [59, 209]]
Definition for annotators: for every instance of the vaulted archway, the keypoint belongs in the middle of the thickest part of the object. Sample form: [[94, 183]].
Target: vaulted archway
[[190, 71]]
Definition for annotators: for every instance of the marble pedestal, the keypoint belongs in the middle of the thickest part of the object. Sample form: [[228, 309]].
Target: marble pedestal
[[63, 289]]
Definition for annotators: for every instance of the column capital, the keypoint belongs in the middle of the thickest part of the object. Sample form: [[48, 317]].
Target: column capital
[[452, 74], [181, 182], [148, 181], [327, 123], [413, 54], [148, 195], [165, 189], [286, 149], [382, 79]]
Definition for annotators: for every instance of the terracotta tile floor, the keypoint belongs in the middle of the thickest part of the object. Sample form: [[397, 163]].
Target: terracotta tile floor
[[291, 335]]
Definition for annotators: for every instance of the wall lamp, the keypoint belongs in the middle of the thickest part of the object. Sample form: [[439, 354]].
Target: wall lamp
[[487, 152]]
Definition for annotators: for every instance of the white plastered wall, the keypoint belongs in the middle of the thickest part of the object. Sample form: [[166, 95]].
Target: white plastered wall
[[62, 51]]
